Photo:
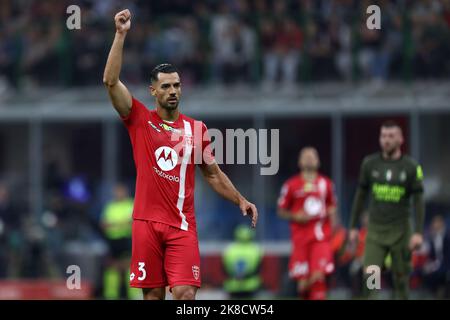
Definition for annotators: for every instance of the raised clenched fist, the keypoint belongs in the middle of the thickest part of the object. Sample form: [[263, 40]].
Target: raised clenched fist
[[123, 21]]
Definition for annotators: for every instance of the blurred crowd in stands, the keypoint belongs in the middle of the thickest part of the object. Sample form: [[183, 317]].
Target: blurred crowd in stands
[[226, 41]]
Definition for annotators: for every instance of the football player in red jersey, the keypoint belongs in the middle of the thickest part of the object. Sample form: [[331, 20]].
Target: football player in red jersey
[[308, 202], [166, 145]]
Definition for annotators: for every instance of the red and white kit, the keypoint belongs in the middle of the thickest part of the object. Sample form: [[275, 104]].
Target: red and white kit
[[165, 247], [311, 249]]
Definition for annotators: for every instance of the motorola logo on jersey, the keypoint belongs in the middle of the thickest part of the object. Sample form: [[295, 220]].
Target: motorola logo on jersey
[[313, 206], [164, 175], [166, 158]]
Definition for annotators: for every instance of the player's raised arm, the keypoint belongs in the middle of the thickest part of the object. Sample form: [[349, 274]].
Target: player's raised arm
[[223, 186], [118, 93]]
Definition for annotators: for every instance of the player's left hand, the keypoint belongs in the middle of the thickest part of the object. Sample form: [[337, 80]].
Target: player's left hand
[[416, 241], [248, 208]]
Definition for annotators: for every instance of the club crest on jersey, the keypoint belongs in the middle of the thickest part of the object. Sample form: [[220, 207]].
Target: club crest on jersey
[[189, 140], [389, 175], [166, 158], [196, 272], [169, 128]]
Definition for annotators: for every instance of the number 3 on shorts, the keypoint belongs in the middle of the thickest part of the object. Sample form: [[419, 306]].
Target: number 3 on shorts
[[141, 269]]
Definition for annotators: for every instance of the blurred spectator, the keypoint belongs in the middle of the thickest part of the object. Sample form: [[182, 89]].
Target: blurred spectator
[[322, 49], [116, 225], [87, 54], [373, 58], [377, 47], [419, 259], [437, 267], [233, 43], [44, 33], [432, 34], [279, 9], [242, 263], [180, 46], [222, 40], [57, 224], [282, 52], [35, 262], [341, 39]]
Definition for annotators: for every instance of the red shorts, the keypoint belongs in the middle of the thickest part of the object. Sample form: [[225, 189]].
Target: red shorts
[[310, 257], [163, 255]]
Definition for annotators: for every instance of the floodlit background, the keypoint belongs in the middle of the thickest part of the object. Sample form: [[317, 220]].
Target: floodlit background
[[309, 68]]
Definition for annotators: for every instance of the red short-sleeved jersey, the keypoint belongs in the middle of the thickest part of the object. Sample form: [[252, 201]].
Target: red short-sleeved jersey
[[313, 198], [165, 154]]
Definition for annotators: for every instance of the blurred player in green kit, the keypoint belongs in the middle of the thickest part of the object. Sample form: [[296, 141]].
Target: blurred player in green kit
[[393, 180]]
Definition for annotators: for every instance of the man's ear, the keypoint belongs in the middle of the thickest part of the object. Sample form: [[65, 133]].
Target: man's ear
[[152, 90]]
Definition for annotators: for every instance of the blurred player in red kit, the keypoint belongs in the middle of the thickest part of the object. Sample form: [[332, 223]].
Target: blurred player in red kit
[[166, 146], [308, 202]]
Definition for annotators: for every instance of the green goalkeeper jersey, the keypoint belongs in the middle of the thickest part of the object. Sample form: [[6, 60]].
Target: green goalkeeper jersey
[[391, 185]]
